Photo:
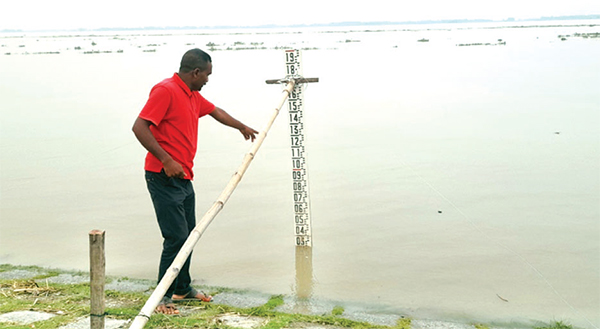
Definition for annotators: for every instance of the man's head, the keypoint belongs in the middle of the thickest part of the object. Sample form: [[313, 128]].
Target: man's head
[[196, 66]]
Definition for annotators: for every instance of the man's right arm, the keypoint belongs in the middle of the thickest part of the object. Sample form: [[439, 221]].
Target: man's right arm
[[141, 129]]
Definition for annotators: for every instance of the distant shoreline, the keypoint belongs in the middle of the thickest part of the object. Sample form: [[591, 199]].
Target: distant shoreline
[[337, 24]]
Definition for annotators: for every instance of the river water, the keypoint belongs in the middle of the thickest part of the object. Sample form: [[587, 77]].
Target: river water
[[449, 178]]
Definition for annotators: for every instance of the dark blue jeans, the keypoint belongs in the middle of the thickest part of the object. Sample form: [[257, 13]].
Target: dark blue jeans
[[174, 204]]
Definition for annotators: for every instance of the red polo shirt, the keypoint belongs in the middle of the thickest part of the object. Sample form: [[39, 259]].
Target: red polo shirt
[[174, 111]]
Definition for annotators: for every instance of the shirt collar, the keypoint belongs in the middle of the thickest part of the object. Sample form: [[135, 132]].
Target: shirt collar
[[182, 84]]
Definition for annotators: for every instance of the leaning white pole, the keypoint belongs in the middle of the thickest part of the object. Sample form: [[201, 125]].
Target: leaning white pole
[[142, 318]]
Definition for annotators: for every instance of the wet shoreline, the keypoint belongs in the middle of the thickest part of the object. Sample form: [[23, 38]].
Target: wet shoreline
[[240, 299]]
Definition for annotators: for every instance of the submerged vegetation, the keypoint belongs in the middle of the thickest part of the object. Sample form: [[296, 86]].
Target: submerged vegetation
[[267, 39], [556, 325], [580, 35], [499, 43]]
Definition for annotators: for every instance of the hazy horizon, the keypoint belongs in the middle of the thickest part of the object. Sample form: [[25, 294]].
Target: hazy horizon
[[70, 14]]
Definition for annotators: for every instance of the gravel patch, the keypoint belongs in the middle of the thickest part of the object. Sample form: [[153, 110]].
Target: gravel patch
[[240, 321], [381, 319], [425, 324], [84, 323], [129, 285], [20, 274], [245, 300], [304, 325], [66, 279], [25, 317]]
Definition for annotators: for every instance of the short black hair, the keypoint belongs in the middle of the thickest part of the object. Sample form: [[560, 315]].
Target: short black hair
[[194, 58]]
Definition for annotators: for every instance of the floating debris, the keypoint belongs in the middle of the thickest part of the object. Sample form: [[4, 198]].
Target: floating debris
[[579, 35], [500, 43], [98, 52], [29, 287]]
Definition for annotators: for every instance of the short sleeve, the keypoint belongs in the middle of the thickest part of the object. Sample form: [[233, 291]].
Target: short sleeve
[[205, 106], [157, 105]]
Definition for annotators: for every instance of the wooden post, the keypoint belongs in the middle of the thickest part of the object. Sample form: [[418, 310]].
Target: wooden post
[[97, 272]]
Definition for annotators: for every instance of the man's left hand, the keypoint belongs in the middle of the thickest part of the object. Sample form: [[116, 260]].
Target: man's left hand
[[248, 133]]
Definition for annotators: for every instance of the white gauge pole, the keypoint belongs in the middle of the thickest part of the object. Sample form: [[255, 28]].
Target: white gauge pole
[[299, 171], [302, 222]]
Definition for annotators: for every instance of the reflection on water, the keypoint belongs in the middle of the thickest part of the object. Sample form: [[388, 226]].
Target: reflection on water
[[425, 158]]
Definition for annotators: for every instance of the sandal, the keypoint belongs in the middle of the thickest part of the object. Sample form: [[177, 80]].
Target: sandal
[[166, 306], [193, 295]]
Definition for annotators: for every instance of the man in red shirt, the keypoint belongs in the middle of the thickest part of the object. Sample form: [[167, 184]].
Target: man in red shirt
[[168, 128]]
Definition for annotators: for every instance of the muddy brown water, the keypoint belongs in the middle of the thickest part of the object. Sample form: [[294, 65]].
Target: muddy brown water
[[446, 181]]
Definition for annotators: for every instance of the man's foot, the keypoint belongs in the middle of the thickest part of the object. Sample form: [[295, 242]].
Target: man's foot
[[193, 295], [166, 306]]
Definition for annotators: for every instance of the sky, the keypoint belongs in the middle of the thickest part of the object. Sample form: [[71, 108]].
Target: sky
[[75, 14]]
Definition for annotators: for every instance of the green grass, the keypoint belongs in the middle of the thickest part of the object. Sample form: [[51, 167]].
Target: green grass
[[403, 323], [337, 311], [480, 326], [555, 325]]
